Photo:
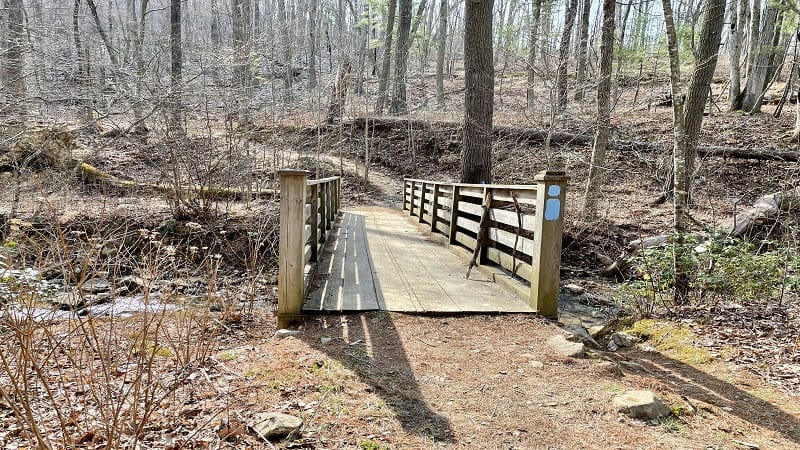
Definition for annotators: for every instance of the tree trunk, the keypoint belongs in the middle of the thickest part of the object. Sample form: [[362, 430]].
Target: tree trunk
[[81, 74], [563, 56], [112, 54], [440, 50], [339, 94], [597, 168], [476, 166], [757, 76], [286, 51], [312, 44], [583, 45], [14, 61], [387, 58], [754, 38], [738, 12], [531, 66], [242, 27], [175, 115], [399, 103]]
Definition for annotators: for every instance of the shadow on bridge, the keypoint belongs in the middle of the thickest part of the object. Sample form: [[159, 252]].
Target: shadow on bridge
[[370, 346]]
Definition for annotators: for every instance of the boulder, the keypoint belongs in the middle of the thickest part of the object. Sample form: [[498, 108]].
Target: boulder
[[566, 348], [641, 405], [275, 425]]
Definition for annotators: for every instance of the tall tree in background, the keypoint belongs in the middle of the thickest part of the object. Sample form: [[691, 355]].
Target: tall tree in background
[[383, 83], [399, 103], [687, 111], [312, 43], [583, 53], [14, 79], [175, 114], [476, 162], [534, 34], [242, 31], [563, 55], [758, 75], [597, 167], [738, 13], [440, 51]]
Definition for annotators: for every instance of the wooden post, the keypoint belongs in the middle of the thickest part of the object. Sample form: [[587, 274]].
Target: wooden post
[[405, 186], [434, 207], [330, 210], [546, 262], [314, 222], [291, 245], [453, 213], [423, 193]]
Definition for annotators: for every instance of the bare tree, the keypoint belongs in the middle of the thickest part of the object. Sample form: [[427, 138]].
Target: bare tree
[[597, 168], [387, 58], [399, 103], [440, 50], [531, 66], [476, 160], [758, 75], [563, 55], [583, 45], [14, 78], [175, 114]]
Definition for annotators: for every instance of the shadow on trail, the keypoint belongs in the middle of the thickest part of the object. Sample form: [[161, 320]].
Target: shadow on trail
[[690, 382], [369, 345]]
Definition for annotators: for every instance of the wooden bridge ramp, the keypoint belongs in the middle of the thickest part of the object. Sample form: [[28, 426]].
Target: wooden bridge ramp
[[378, 259]]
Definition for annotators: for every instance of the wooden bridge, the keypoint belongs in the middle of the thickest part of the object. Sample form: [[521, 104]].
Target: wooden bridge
[[416, 260]]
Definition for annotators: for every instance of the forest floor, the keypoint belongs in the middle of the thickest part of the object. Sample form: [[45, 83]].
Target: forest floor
[[376, 380]]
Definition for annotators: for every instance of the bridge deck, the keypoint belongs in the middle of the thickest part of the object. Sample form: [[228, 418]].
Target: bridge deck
[[378, 259]]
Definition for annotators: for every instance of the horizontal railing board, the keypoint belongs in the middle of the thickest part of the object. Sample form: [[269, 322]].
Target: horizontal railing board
[[512, 219], [443, 228], [322, 181], [524, 244], [467, 224], [470, 208], [466, 241], [506, 261]]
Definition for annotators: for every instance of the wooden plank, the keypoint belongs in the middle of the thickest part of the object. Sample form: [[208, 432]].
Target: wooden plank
[[362, 284], [427, 218], [444, 201], [307, 212], [525, 197], [507, 262], [443, 228], [291, 280], [510, 218], [307, 254], [468, 224], [306, 233], [470, 208], [506, 238], [442, 215], [547, 243], [466, 241], [471, 191]]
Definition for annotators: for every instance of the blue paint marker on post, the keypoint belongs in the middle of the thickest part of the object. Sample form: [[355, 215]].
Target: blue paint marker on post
[[552, 206]]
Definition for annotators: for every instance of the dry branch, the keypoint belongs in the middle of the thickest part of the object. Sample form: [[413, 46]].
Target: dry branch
[[555, 137], [208, 192], [763, 211]]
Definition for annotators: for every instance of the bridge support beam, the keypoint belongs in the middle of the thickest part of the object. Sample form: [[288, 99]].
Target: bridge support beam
[[546, 262], [291, 264]]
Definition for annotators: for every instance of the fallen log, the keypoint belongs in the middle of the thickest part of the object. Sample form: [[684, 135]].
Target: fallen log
[[764, 210], [207, 192], [558, 137]]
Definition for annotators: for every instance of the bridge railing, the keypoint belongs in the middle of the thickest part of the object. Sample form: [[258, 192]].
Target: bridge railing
[[308, 209], [518, 227]]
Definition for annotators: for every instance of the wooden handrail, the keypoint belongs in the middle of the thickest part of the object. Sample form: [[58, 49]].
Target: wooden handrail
[[308, 210], [523, 235]]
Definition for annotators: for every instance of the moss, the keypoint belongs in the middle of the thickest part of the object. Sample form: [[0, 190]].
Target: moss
[[672, 340]]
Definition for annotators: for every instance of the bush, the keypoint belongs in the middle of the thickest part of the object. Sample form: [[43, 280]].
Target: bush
[[720, 268]]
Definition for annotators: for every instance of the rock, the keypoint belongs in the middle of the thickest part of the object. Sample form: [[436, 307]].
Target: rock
[[536, 364], [623, 339], [325, 340], [580, 334], [641, 405], [566, 348], [52, 273], [132, 283], [275, 425], [612, 346], [636, 367], [283, 333], [95, 285], [575, 289]]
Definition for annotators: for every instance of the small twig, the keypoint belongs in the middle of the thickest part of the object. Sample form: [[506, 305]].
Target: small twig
[[426, 343]]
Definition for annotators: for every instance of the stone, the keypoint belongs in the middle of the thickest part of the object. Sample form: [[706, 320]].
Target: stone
[[643, 405], [95, 285], [580, 334], [566, 348], [575, 289], [275, 425], [612, 346], [284, 333], [623, 339], [636, 367], [325, 340], [536, 364]]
